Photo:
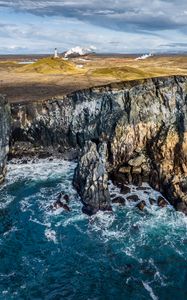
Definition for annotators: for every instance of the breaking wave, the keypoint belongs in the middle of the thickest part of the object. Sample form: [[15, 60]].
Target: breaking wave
[[127, 254]]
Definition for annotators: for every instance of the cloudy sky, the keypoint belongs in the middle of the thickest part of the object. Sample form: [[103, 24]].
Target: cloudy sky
[[110, 25]]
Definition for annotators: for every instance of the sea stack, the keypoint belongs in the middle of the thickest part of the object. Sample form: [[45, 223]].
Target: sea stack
[[4, 135]]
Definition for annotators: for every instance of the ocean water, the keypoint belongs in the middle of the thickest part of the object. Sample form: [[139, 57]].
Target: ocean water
[[127, 254]]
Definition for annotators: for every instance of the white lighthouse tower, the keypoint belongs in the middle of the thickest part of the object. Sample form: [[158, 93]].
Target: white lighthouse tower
[[56, 53]]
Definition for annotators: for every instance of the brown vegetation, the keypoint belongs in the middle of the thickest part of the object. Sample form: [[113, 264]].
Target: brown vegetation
[[50, 77]]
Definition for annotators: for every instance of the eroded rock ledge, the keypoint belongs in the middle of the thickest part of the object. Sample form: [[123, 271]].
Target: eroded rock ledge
[[143, 123], [4, 135]]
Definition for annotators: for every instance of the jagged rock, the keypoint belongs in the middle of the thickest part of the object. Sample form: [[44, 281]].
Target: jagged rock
[[134, 198], [4, 135], [91, 178], [143, 188], [137, 161], [144, 124], [141, 205], [125, 189], [61, 202], [182, 207], [119, 200], [136, 170], [119, 179], [162, 202], [125, 170], [152, 201]]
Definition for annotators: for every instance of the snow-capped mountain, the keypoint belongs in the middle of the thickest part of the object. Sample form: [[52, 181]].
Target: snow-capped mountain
[[79, 51]]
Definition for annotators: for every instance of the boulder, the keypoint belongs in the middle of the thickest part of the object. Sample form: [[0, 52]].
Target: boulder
[[134, 198], [125, 189], [119, 200], [137, 161], [162, 202], [141, 205]]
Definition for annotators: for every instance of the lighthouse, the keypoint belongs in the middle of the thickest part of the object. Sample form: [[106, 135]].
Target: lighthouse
[[56, 53]]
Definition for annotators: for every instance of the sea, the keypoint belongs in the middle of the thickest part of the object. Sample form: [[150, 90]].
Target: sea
[[126, 254]]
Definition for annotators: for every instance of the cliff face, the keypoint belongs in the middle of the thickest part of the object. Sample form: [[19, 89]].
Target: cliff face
[[143, 124], [4, 135]]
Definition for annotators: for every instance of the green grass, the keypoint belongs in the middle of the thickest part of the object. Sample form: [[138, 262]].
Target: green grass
[[50, 65], [121, 73]]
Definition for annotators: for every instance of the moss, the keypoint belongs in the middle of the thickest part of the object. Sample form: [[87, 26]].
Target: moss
[[131, 73], [50, 65]]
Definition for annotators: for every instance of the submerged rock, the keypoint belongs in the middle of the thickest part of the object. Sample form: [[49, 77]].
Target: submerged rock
[[141, 205], [162, 202], [91, 178], [61, 202]]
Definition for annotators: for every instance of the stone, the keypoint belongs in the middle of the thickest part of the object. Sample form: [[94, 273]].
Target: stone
[[137, 161], [119, 179], [143, 188], [119, 200], [162, 202], [125, 189], [141, 205], [91, 178], [182, 207], [5, 130], [152, 201], [143, 124], [125, 170], [136, 170], [133, 197], [66, 198]]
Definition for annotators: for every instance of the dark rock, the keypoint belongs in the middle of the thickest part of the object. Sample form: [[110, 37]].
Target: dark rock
[[142, 188], [152, 201], [66, 198], [142, 122], [182, 207], [4, 135], [141, 205], [125, 170], [119, 200], [137, 179], [125, 189], [134, 198], [119, 179], [91, 178], [162, 202], [61, 202]]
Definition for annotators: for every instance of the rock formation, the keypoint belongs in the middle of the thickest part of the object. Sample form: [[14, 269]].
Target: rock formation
[[91, 178], [143, 123], [4, 135]]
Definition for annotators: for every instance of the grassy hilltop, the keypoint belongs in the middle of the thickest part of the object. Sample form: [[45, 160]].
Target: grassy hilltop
[[48, 77], [50, 65]]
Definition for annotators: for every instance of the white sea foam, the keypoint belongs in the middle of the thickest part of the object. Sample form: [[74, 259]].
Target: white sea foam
[[51, 235], [150, 290]]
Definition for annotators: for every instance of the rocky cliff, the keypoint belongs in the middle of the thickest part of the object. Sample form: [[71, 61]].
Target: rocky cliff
[[143, 123], [4, 135]]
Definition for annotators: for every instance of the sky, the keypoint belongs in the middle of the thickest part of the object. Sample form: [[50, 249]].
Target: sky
[[120, 26]]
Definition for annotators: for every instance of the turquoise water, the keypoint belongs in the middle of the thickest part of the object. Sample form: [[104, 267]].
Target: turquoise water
[[125, 255]]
